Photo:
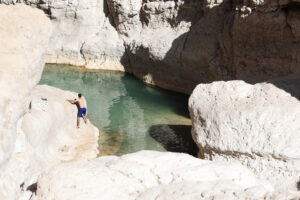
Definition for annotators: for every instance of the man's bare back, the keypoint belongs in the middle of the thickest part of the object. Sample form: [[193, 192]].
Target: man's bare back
[[81, 109], [80, 102]]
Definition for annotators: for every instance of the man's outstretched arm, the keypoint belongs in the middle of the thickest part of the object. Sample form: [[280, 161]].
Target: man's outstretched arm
[[72, 101]]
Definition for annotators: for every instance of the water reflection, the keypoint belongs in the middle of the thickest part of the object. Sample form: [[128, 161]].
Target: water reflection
[[125, 110]]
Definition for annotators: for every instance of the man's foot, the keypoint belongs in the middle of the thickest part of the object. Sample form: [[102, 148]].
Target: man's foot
[[78, 126]]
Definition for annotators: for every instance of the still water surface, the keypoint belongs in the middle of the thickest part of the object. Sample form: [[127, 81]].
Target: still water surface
[[130, 115]]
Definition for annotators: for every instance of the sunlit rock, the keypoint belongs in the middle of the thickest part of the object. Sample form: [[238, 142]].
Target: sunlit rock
[[24, 34], [257, 125], [144, 174]]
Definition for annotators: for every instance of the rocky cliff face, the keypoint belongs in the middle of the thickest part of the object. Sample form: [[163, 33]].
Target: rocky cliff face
[[34, 135], [20, 71], [22, 45], [37, 137], [177, 44]]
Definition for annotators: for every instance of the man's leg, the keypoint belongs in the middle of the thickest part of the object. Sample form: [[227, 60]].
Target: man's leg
[[85, 119], [84, 116], [78, 122]]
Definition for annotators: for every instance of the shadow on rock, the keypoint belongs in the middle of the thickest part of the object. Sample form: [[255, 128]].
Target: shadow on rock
[[290, 84], [174, 138]]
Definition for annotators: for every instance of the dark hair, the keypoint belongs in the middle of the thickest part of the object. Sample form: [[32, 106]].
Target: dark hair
[[79, 95]]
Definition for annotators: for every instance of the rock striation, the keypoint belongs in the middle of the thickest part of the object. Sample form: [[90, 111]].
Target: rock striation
[[177, 44], [257, 125], [147, 175]]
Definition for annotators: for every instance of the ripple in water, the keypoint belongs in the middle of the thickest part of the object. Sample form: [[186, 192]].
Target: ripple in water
[[130, 115]]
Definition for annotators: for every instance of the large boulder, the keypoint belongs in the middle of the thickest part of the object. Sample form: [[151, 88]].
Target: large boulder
[[50, 127], [47, 136], [24, 34], [23, 43], [37, 125], [144, 174], [258, 125]]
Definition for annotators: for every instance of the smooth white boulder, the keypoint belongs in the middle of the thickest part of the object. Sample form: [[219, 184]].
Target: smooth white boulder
[[258, 125], [24, 34], [47, 136], [50, 127], [134, 176]]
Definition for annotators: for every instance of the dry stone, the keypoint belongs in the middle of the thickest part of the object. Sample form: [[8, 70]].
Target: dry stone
[[257, 125], [144, 174], [177, 44], [24, 34]]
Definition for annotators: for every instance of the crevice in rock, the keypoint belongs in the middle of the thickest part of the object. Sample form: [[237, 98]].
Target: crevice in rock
[[235, 154], [82, 53], [32, 188], [108, 13]]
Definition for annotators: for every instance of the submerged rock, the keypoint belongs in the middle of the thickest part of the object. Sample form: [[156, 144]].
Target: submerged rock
[[146, 175], [257, 125]]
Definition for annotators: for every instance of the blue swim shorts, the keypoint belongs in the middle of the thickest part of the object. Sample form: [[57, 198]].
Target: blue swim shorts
[[81, 112]]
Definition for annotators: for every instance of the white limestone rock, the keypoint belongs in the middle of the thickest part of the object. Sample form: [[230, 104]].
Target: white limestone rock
[[47, 136], [137, 176], [24, 34], [83, 33], [50, 127], [258, 125], [23, 42], [176, 44]]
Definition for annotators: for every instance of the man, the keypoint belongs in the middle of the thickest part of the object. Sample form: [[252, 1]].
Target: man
[[81, 109]]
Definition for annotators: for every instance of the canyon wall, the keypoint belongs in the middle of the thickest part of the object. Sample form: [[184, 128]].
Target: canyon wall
[[177, 44], [38, 134]]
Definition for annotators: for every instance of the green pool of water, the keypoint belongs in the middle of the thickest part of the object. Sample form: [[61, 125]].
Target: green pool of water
[[130, 115]]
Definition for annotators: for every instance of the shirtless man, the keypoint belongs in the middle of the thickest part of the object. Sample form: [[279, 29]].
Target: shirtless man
[[81, 109]]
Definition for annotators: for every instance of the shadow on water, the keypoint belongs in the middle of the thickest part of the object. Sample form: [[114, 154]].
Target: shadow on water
[[149, 95], [124, 109], [174, 138]]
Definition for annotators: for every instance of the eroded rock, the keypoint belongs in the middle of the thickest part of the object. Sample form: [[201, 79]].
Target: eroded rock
[[144, 174], [257, 125], [24, 34], [50, 127], [177, 44]]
